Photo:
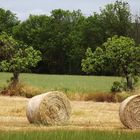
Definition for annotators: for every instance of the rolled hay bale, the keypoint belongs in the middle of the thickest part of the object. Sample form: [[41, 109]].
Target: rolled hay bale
[[52, 108], [129, 112]]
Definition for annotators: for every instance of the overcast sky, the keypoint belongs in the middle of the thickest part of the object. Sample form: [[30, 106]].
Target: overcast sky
[[23, 8]]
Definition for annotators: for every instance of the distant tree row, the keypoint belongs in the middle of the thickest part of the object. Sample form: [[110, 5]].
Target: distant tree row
[[64, 36]]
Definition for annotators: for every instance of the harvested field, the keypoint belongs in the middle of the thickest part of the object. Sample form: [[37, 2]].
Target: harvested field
[[85, 115]]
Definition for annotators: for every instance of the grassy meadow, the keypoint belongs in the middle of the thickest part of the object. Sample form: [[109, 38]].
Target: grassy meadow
[[69, 135], [85, 88], [65, 83]]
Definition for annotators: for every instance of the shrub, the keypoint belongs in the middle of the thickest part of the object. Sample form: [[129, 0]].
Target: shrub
[[116, 87]]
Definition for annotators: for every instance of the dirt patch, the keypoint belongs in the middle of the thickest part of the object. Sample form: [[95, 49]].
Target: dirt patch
[[85, 115]]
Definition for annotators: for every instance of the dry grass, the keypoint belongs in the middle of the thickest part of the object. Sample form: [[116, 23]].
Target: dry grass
[[28, 91], [21, 89], [87, 115], [100, 97]]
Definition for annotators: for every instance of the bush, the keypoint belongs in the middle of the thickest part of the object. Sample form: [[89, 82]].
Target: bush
[[116, 87]]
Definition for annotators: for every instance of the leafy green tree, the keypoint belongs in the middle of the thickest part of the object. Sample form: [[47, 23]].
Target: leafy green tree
[[135, 34], [113, 19], [118, 53], [64, 36], [58, 37], [32, 31], [7, 21], [75, 48], [16, 57], [116, 18], [94, 33]]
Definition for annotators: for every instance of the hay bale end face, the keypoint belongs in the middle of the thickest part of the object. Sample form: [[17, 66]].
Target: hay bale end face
[[52, 108], [130, 112]]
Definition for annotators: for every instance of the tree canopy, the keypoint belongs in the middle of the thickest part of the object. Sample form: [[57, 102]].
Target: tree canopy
[[117, 53], [63, 36], [7, 21], [58, 37], [16, 57]]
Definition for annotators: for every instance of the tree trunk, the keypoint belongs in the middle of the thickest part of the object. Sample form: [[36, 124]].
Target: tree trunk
[[129, 82], [15, 79]]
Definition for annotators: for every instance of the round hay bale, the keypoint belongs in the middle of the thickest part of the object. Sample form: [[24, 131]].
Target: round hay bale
[[52, 108], [130, 112]]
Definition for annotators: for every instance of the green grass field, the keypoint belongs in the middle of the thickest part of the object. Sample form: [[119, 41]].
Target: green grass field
[[66, 83], [69, 135]]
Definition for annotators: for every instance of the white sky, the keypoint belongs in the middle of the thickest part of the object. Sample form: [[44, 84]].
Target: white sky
[[23, 8]]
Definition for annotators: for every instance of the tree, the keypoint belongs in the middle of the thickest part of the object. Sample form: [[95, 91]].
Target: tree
[[136, 29], [58, 37], [118, 53], [64, 36], [16, 57], [94, 33], [7, 21], [116, 18], [113, 19]]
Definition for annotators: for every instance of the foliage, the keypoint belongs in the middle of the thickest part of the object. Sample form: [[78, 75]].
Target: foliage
[[93, 62], [57, 36], [63, 36], [116, 87], [136, 29], [7, 21], [114, 19], [16, 57], [118, 53]]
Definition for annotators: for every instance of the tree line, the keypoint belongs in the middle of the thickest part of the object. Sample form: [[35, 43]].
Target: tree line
[[64, 36]]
